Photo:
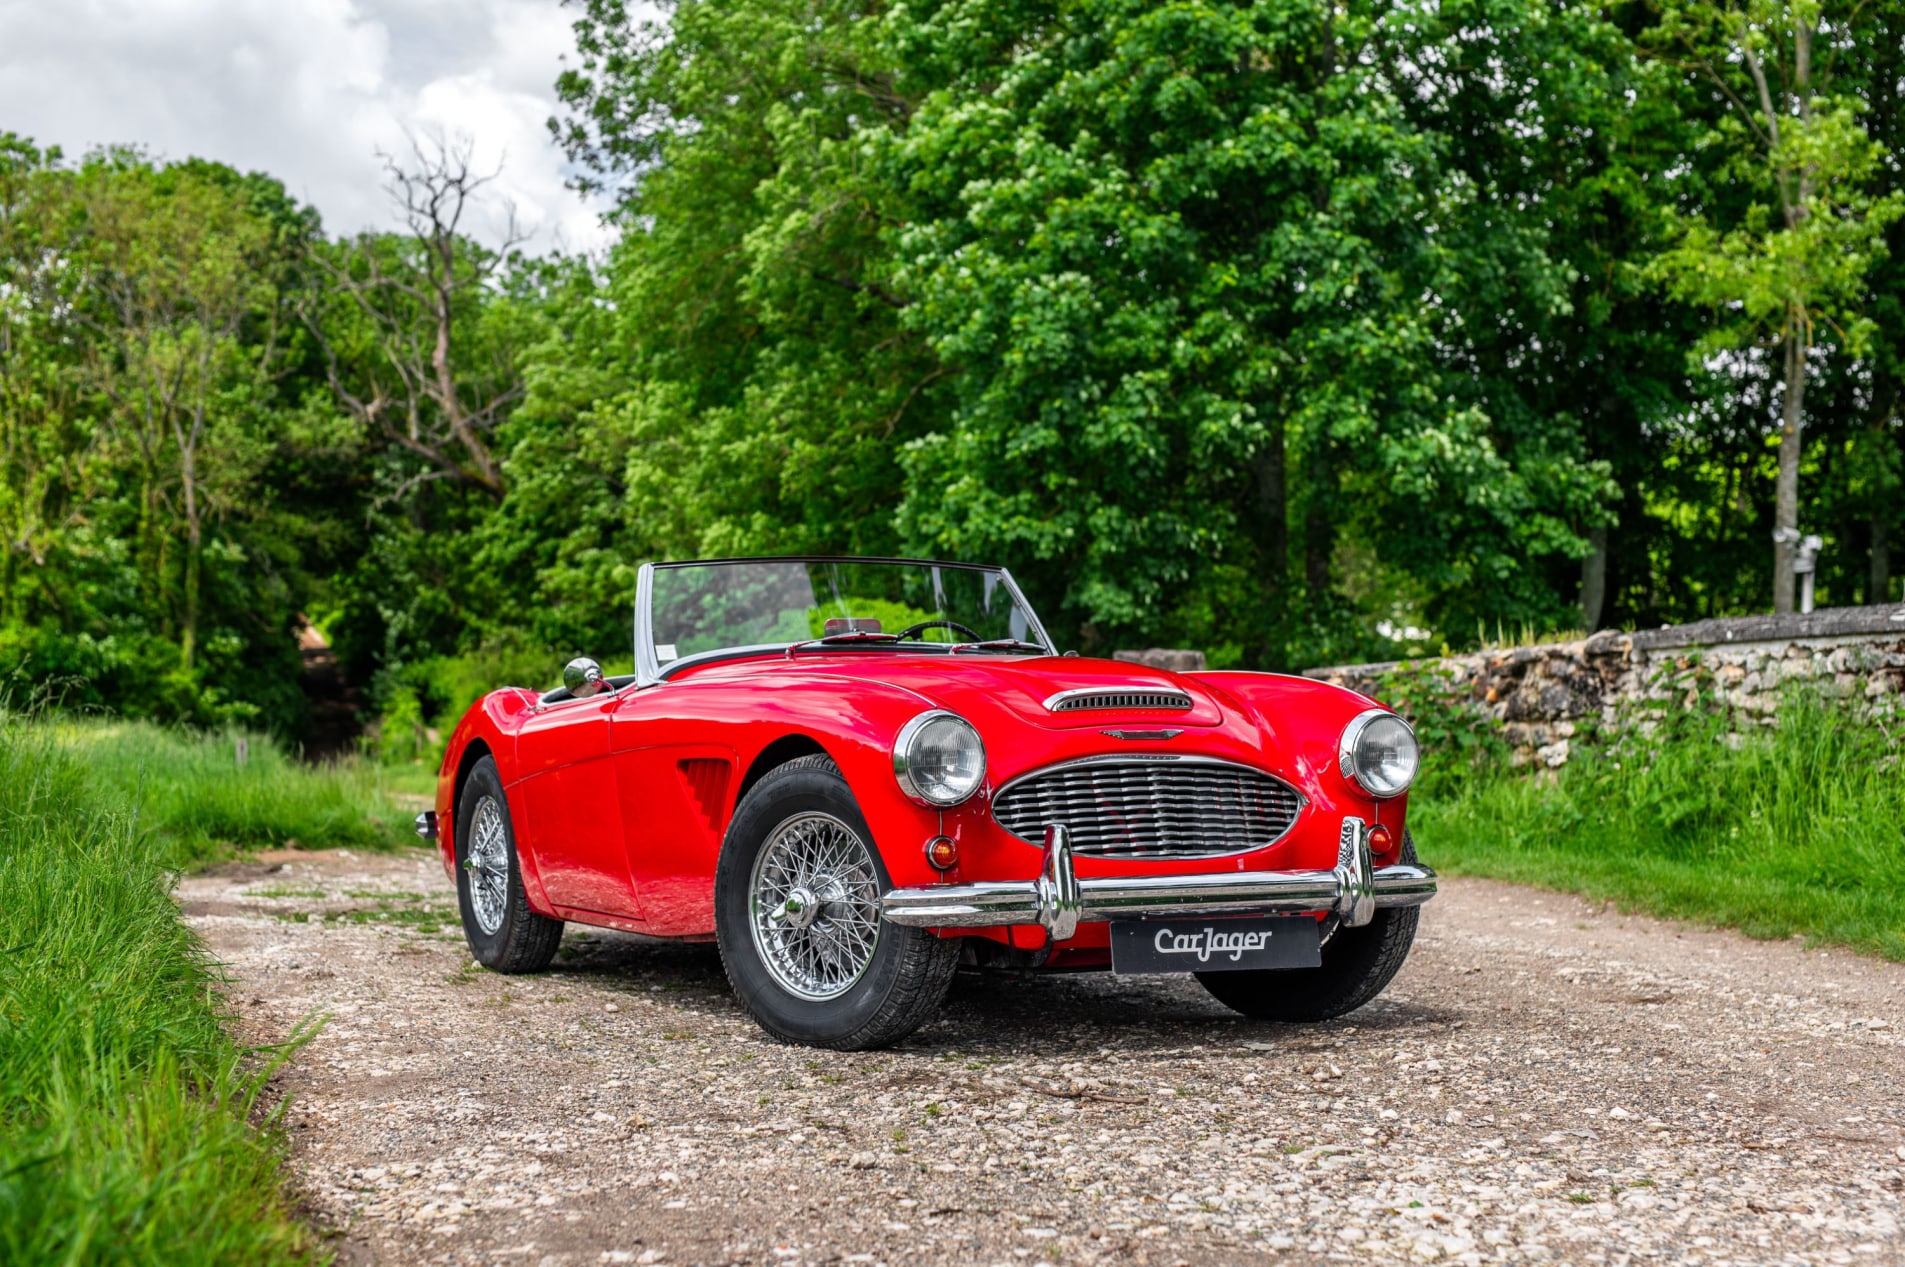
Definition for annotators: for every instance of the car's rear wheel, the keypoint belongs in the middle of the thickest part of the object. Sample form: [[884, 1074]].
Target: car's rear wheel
[[1358, 963], [797, 914], [503, 933]]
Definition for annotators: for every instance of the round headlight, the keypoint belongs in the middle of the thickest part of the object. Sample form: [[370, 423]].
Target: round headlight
[[1379, 754], [938, 759]]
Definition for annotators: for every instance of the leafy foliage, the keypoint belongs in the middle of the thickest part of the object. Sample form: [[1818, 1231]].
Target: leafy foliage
[[1295, 332]]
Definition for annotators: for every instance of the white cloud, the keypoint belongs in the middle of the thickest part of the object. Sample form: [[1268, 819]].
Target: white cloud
[[307, 90]]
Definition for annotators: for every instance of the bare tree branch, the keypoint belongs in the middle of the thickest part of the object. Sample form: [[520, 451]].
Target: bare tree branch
[[413, 297]]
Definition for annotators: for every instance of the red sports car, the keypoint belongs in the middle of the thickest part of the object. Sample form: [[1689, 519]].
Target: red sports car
[[857, 775]]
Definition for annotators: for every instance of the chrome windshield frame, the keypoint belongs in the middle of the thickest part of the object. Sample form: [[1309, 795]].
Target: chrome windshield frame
[[649, 669]]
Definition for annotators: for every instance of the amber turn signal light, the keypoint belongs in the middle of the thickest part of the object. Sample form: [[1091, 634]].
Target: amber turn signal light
[[1381, 840], [942, 852]]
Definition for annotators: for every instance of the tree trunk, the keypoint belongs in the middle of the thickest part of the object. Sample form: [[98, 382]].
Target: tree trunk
[[1594, 580], [1786, 499], [1319, 547], [188, 635], [149, 547], [194, 554], [1273, 515], [1879, 588]]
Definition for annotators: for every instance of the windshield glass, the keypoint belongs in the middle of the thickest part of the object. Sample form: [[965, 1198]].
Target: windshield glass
[[701, 607]]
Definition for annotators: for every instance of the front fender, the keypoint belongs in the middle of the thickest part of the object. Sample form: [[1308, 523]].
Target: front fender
[[1311, 716], [854, 722]]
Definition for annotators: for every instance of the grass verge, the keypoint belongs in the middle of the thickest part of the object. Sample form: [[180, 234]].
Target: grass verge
[[1793, 830], [191, 794], [125, 1107]]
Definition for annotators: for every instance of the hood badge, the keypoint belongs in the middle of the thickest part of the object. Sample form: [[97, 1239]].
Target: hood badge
[[1142, 734]]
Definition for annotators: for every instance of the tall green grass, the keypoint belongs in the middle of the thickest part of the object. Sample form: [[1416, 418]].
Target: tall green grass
[[1791, 830], [124, 1105], [197, 802]]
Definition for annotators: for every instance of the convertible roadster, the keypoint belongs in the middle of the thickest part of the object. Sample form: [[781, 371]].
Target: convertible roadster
[[858, 775]]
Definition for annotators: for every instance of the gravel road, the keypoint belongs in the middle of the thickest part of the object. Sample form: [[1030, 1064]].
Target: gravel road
[[1547, 1081]]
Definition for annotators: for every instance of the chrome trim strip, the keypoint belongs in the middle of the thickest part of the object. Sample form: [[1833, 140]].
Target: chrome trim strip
[[647, 667], [1031, 617], [1352, 889]]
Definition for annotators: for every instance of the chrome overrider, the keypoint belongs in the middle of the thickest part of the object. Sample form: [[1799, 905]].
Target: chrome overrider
[[1059, 900]]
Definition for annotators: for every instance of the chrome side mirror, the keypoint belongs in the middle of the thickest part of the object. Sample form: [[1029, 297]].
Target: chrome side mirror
[[583, 677]]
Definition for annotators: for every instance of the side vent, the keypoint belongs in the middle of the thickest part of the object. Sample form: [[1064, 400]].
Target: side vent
[[1122, 700], [706, 781]]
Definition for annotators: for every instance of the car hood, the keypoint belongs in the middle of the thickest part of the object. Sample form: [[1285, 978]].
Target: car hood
[[1289, 726], [1053, 692]]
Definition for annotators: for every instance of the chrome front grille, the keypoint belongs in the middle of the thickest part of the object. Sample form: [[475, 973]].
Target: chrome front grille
[[1126, 700], [1150, 807]]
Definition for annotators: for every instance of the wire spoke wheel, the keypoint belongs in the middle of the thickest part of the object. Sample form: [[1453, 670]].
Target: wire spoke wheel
[[487, 861], [815, 906]]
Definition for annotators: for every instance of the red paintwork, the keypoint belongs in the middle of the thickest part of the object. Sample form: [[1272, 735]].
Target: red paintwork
[[620, 802]]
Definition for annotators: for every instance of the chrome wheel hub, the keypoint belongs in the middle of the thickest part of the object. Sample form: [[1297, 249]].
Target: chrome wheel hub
[[815, 904], [486, 859], [797, 909]]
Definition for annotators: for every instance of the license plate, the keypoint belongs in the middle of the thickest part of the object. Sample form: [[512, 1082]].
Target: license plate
[[1227, 944]]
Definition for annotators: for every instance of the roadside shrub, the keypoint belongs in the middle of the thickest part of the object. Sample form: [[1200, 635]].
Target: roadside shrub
[[137, 675], [420, 702], [1460, 741], [1781, 830], [189, 793]]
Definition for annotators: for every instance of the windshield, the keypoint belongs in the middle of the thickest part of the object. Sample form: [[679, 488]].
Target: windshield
[[697, 608]]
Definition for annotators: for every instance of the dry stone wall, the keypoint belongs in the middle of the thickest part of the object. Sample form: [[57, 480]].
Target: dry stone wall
[[1543, 695]]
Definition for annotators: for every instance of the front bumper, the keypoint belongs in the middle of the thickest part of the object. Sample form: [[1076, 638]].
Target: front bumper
[[1059, 900]]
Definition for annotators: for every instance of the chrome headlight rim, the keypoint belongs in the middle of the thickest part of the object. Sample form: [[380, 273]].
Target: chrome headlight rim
[[903, 762], [1351, 740]]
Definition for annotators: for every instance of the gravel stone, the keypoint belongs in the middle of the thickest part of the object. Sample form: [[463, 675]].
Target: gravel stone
[[1547, 1081]]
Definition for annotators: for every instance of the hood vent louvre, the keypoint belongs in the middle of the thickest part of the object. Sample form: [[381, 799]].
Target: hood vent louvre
[[1122, 699]]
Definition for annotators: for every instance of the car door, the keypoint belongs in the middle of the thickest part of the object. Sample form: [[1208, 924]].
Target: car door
[[675, 776], [573, 808]]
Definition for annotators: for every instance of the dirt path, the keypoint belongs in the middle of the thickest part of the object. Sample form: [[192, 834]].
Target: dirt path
[[1545, 1082]]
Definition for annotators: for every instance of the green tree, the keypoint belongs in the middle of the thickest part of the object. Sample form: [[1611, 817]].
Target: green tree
[[751, 384], [1795, 261], [186, 293], [1200, 275], [43, 432]]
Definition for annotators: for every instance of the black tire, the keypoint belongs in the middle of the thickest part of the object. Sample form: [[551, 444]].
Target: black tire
[[897, 991], [1357, 964], [522, 941]]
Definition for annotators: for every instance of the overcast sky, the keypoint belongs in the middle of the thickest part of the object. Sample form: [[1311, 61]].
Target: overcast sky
[[307, 90]]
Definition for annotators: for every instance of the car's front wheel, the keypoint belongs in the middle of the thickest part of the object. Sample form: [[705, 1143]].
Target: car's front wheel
[[797, 914], [503, 933], [1357, 964]]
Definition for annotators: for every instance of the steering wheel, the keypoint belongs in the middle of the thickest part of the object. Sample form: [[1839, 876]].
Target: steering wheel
[[915, 630]]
